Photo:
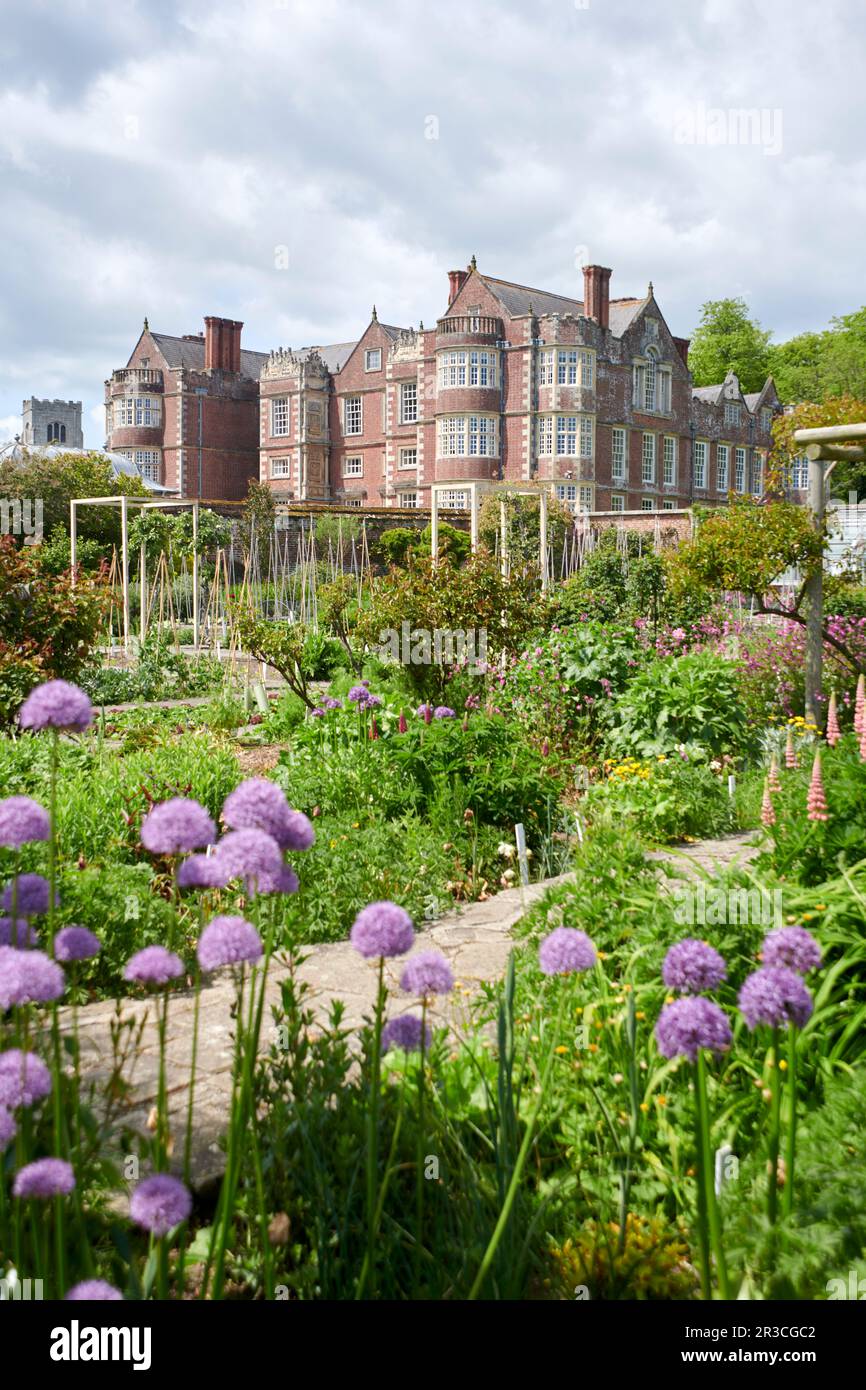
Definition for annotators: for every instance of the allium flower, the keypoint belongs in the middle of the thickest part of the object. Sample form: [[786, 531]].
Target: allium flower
[[30, 892], [816, 802], [792, 947], [153, 966], [285, 880], [76, 943], [251, 855], [56, 705], [24, 1078], [177, 826], [202, 871], [689, 1024], [565, 950], [768, 812], [259, 804], [443, 712], [428, 972], [775, 995], [46, 1177], [8, 1129], [94, 1291], [834, 733], [359, 695], [382, 929], [425, 712], [17, 933], [692, 967], [405, 1031], [160, 1203], [10, 977], [22, 820], [40, 979], [228, 941]]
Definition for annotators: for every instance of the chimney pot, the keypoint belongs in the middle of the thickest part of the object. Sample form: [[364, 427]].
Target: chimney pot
[[456, 281], [596, 294]]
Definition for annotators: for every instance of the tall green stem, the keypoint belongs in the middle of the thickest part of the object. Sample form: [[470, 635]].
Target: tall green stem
[[791, 1140], [373, 1125], [706, 1177], [775, 1126]]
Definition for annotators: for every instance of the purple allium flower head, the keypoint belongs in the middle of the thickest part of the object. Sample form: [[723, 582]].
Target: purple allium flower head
[[428, 972], [285, 880], [382, 929], [228, 941], [251, 855], [160, 1203], [24, 1078], [692, 967], [405, 1031], [46, 1177], [425, 712], [259, 804], [202, 871], [10, 976], [153, 966], [17, 933], [22, 820], [56, 705], [31, 892], [76, 943], [8, 1129], [689, 1024], [177, 826], [793, 947], [298, 832], [40, 979], [359, 695], [94, 1291], [775, 995], [443, 712], [564, 950]]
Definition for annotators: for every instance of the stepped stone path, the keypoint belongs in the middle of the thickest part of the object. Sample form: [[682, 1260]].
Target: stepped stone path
[[475, 938]]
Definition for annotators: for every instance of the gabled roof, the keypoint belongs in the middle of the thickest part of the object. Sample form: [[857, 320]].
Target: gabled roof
[[188, 353], [712, 394], [334, 355], [521, 299], [392, 331]]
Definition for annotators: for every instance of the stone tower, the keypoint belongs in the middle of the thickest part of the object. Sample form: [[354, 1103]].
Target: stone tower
[[52, 422]]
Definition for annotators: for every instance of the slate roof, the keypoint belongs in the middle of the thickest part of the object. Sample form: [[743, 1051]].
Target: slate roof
[[519, 299], [189, 354]]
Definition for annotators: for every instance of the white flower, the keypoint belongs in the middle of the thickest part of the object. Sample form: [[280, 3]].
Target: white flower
[[506, 850]]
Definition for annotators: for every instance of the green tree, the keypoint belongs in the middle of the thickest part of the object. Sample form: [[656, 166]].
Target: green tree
[[818, 366], [834, 410], [57, 480], [727, 339], [257, 520]]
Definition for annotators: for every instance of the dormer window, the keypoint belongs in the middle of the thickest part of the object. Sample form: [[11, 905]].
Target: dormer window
[[732, 413], [373, 360]]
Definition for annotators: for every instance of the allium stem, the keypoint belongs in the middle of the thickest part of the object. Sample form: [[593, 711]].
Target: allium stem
[[373, 1125], [712, 1236], [775, 1124], [791, 1138], [419, 1158]]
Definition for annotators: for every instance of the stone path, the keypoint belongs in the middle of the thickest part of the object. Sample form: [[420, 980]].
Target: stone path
[[475, 938]]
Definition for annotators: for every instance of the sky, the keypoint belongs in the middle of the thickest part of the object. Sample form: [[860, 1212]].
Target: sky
[[292, 162]]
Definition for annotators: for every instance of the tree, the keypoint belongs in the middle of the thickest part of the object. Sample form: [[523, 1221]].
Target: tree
[[57, 480], [744, 548], [818, 366], [837, 410], [727, 339], [522, 525], [257, 520]]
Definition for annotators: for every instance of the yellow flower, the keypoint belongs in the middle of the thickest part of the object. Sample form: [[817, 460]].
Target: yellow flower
[[662, 1100], [643, 1106], [561, 1050], [783, 1065]]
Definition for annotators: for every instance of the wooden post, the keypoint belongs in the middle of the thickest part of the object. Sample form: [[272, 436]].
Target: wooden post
[[124, 548], [142, 584], [73, 537], [195, 624], [434, 523], [542, 538], [814, 601], [503, 538], [473, 524]]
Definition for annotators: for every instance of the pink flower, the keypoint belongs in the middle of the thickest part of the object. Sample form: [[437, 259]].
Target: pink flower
[[768, 814], [816, 801], [834, 733]]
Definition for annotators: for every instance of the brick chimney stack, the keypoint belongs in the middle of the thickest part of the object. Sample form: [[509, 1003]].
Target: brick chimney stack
[[222, 344], [596, 294], [456, 281]]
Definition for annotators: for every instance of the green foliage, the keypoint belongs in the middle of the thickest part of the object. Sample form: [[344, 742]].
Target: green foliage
[[160, 673], [48, 628], [279, 644], [257, 520], [817, 366], [440, 596], [394, 544], [728, 339], [747, 546], [815, 851], [522, 525], [833, 410], [689, 700], [59, 479], [55, 554], [338, 529], [663, 799], [614, 585], [454, 543]]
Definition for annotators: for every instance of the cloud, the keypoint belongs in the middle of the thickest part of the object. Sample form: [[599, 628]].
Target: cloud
[[155, 154]]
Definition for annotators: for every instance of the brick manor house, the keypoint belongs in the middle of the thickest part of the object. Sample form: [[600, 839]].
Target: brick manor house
[[512, 384]]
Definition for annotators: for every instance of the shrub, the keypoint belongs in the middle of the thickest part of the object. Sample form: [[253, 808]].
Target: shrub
[[666, 798], [691, 701]]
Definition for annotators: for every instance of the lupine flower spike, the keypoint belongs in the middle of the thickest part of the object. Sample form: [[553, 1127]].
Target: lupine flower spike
[[860, 707], [791, 759], [768, 815], [834, 733], [815, 799], [863, 741], [774, 781]]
